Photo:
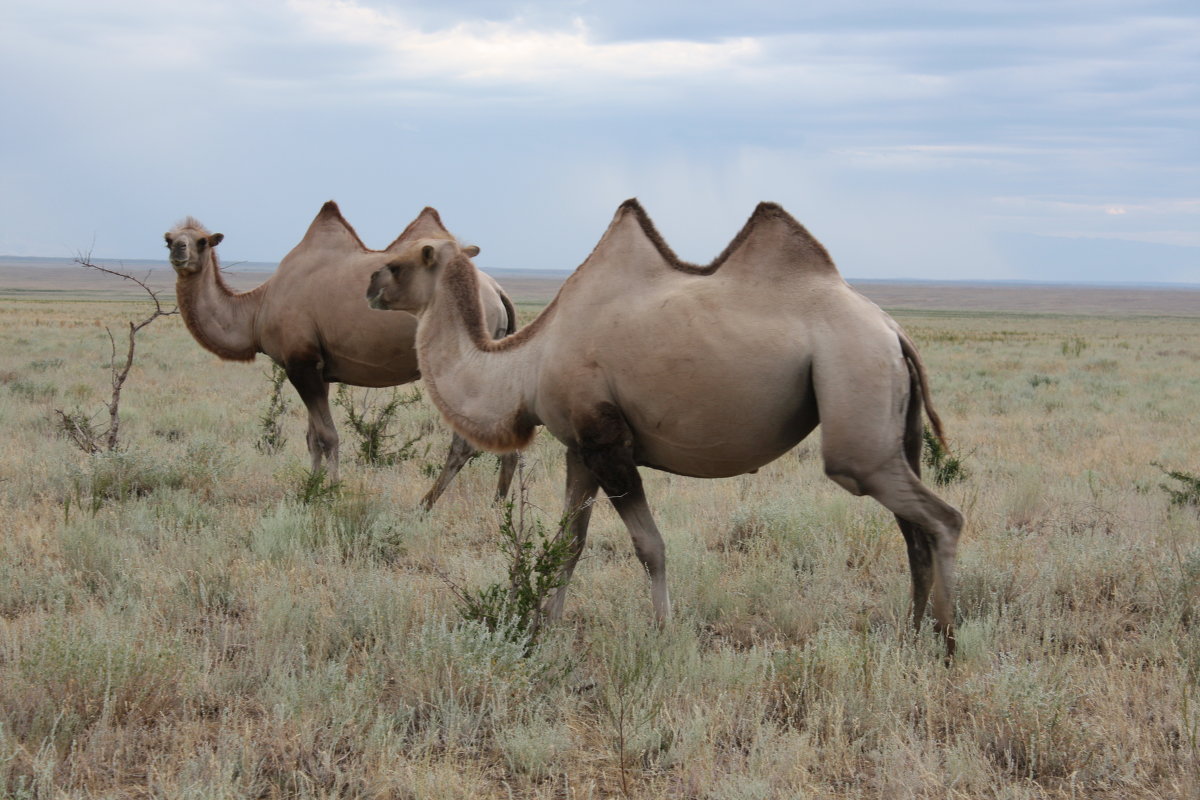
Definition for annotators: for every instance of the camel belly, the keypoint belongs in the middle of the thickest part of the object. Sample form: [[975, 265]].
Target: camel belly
[[706, 439], [716, 454]]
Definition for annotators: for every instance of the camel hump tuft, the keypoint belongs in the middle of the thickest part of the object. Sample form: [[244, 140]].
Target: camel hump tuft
[[634, 205]]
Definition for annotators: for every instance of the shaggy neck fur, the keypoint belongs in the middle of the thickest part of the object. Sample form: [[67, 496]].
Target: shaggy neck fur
[[476, 382], [220, 319]]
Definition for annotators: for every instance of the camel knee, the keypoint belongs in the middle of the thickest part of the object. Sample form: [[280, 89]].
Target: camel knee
[[846, 477], [321, 441], [946, 533], [653, 556]]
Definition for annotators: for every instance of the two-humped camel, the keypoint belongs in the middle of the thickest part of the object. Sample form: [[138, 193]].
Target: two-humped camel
[[710, 372], [309, 317]]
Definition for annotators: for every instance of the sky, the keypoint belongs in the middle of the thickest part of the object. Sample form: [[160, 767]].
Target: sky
[[1045, 140]]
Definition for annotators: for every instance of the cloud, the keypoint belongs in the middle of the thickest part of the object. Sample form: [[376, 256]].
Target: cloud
[[481, 52], [1150, 220]]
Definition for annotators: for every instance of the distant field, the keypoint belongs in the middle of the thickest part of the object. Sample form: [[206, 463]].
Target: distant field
[[186, 618], [45, 279]]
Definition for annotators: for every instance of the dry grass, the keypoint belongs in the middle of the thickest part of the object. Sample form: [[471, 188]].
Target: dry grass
[[206, 635]]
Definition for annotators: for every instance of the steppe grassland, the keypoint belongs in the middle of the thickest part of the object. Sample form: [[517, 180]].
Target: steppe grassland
[[174, 622]]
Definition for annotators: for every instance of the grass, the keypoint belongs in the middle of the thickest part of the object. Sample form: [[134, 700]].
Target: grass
[[194, 617]]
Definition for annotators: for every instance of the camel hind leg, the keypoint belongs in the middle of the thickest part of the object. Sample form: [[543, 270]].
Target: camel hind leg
[[931, 528], [916, 539], [871, 440]]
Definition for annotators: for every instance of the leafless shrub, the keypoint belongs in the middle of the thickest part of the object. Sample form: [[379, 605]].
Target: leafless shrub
[[74, 424]]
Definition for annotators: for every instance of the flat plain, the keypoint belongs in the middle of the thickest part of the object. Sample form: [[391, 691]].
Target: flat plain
[[180, 619]]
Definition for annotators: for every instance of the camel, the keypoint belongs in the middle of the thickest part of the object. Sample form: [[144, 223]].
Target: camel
[[309, 318], [644, 360]]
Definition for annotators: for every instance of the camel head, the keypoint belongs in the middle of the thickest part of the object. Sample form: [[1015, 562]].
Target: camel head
[[190, 244], [407, 282]]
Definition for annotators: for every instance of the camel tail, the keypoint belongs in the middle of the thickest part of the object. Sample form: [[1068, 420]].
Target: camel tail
[[914, 359]]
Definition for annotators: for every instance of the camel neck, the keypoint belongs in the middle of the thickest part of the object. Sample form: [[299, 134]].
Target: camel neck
[[221, 320], [480, 385]]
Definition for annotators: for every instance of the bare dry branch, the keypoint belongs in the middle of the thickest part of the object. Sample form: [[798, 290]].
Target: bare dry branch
[[82, 435]]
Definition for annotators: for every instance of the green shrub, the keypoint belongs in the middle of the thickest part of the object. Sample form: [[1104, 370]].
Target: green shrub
[[76, 426], [315, 488], [1188, 494], [947, 469], [1074, 346], [271, 437], [535, 563], [372, 422]]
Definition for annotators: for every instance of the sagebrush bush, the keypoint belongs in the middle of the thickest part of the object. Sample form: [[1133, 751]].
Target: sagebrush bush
[[72, 676], [121, 475]]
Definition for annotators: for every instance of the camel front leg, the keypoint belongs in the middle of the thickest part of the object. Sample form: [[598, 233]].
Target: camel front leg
[[461, 451], [577, 513], [322, 437], [459, 454], [508, 468], [647, 543], [606, 448]]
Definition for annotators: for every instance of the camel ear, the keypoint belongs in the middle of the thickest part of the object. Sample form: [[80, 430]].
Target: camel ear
[[433, 255], [470, 251], [216, 239]]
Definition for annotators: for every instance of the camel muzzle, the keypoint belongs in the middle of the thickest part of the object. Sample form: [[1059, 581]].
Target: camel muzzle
[[375, 293]]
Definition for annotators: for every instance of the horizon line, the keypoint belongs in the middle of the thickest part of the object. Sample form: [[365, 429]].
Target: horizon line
[[270, 266]]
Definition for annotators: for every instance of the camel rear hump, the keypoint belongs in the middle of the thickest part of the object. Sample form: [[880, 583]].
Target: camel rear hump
[[773, 244]]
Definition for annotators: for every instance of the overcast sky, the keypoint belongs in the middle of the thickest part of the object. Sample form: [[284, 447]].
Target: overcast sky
[[996, 139]]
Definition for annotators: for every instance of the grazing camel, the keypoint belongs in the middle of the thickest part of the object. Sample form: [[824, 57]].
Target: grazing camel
[[644, 360], [309, 318]]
